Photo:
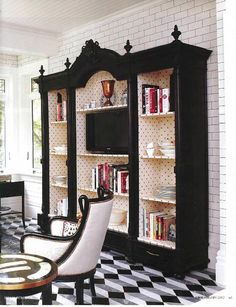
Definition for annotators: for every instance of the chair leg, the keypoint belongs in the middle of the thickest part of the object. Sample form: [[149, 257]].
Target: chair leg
[[92, 287], [79, 287], [19, 301]]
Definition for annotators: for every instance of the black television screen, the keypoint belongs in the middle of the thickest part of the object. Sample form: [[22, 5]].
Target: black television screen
[[107, 132]]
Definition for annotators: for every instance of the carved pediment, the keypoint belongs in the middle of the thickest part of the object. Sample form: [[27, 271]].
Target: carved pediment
[[90, 50]]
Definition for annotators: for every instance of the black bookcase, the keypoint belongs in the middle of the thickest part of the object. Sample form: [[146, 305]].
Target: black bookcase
[[188, 88]]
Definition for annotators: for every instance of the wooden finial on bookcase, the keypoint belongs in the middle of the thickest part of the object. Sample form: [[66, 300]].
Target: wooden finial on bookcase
[[128, 47], [176, 33], [67, 63], [41, 70]]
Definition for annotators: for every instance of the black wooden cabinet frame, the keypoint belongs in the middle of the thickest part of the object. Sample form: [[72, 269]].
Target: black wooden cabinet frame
[[189, 93]]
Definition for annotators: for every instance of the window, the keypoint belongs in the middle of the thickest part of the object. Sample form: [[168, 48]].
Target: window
[[36, 127], [2, 135], [2, 86], [2, 124]]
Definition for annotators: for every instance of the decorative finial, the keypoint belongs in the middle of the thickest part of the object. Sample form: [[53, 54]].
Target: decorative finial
[[41, 70], [67, 63], [176, 33], [128, 47]]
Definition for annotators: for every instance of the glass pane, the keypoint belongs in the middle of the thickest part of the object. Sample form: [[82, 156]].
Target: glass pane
[[2, 86], [2, 135], [34, 86], [37, 137]]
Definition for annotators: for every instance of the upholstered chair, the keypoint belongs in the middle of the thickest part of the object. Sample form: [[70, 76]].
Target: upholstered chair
[[76, 254]]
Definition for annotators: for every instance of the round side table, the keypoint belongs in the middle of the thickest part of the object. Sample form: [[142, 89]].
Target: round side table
[[24, 274]]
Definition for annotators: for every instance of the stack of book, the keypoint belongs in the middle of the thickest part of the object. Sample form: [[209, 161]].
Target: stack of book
[[158, 225], [111, 176], [155, 99]]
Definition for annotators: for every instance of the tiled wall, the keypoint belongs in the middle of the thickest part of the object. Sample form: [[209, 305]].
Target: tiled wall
[[150, 26], [8, 60], [220, 272], [27, 59]]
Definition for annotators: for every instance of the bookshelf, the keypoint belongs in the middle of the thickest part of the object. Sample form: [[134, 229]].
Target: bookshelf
[[57, 137], [86, 160], [181, 68], [157, 170]]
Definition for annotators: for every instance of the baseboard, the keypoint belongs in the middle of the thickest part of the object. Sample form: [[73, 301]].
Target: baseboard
[[221, 268]]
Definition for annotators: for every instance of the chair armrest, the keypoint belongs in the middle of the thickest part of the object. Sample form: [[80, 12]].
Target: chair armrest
[[48, 246]]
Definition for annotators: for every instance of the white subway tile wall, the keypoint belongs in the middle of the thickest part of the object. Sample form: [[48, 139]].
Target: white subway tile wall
[[8, 60]]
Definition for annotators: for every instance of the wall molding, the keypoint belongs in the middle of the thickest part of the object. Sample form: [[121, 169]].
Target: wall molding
[[21, 40]]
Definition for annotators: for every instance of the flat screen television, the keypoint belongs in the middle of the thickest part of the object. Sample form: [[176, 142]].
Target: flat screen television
[[107, 132]]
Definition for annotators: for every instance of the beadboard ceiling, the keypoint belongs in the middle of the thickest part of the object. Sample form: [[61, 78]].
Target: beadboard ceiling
[[57, 16]]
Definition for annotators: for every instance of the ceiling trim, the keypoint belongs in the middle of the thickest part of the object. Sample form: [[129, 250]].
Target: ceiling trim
[[12, 26], [21, 40]]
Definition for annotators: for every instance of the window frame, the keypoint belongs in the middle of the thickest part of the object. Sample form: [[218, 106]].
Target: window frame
[[34, 96], [4, 100]]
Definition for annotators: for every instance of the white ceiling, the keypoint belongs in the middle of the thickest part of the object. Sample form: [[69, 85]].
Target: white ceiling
[[60, 15]]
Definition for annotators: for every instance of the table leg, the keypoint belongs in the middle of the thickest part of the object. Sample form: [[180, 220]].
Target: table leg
[[2, 300], [19, 301], [47, 295], [23, 208]]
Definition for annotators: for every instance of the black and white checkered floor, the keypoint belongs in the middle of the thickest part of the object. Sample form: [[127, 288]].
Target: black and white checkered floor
[[118, 282]]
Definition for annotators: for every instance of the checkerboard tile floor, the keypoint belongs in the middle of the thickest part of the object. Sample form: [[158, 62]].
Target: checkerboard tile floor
[[119, 282]]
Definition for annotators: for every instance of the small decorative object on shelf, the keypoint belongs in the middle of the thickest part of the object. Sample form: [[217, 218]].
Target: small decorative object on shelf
[[150, 150], [124, 96], [61, 180], [92, 104], [168, 149], [117, 217], [59, 107], [62, 207], [61, 149], [108, 88]]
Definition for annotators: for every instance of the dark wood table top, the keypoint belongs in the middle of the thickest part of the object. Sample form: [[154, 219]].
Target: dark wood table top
[[25, 271]]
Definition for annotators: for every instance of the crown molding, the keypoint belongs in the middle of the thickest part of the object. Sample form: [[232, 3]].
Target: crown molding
[[16, 27], [22, 40]]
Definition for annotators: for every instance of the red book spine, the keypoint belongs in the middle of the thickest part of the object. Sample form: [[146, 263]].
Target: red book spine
[[124, 176], [106, 176], [159, 227], [152, 95], [164, 230], [160, 101]]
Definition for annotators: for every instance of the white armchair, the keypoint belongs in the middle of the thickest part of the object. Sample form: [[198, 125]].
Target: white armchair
[[76, 255]]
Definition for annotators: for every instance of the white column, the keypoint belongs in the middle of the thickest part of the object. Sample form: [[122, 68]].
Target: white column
[[230, 137]]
